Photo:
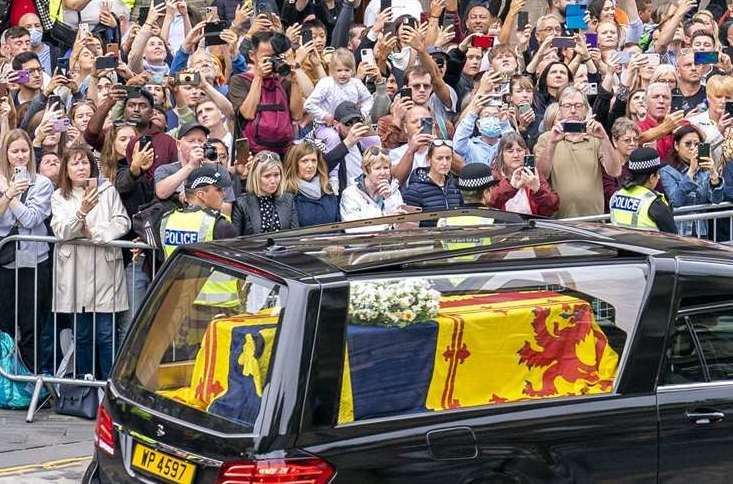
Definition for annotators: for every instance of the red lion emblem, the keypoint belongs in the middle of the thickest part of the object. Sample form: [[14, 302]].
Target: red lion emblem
[[558, 352]]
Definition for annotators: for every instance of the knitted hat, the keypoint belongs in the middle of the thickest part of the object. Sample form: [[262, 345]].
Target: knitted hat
[[644, 160], [476, 177]]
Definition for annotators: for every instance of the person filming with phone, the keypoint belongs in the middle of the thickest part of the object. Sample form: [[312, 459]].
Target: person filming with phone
[[577, 152], [24, 206]]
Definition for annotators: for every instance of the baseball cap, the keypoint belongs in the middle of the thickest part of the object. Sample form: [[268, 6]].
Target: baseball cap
[[347, 111], [188, 127]]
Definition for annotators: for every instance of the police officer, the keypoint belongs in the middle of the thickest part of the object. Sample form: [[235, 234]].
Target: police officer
[[201, 220], [637, 205]]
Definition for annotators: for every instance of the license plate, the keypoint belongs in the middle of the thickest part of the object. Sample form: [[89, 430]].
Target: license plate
[[163, 465]]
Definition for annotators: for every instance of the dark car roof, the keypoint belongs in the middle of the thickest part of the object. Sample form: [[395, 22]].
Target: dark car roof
[[326, 249]]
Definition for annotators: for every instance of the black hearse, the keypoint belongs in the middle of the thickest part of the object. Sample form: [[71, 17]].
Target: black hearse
[[516, 351]]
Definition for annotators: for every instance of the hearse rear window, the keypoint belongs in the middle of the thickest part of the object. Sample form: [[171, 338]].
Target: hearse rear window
[[442, 343], [202, 349]]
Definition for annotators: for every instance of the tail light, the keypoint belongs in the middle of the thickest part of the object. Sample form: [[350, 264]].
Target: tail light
[[310, 470], [104, 431]]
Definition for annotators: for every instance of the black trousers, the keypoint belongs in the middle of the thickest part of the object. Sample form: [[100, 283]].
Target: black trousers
[[34, 305]]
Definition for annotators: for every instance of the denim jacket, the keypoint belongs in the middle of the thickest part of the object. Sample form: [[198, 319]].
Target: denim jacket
[[682, 191]]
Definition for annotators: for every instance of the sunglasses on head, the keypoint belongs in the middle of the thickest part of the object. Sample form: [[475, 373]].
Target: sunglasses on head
[[376, 151], [442, 142]]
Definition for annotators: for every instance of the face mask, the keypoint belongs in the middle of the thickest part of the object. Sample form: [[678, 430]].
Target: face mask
[[36, 36], [490, 127]]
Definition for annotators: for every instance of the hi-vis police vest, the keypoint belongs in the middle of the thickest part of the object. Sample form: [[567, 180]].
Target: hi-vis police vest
[[56, 9], [184, 227], [630, 208]]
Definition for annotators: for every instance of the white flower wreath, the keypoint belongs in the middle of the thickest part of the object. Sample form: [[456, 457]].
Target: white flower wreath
[[397, 303]]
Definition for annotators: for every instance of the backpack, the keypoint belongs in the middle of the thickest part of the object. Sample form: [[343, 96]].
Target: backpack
[[272, 127]]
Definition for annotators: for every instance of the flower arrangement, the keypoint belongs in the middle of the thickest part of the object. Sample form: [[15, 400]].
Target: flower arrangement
[[397, 303]]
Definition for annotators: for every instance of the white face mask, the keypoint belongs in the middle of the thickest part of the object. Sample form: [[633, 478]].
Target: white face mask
[[36, 36]]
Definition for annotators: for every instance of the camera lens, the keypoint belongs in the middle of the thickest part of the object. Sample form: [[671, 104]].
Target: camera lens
[[210, 152]]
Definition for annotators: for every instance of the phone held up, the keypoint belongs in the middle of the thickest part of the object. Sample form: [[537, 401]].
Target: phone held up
[[703, 151]]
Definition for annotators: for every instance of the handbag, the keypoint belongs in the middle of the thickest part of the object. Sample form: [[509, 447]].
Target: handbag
[[7, 251], [62, 34], [78, 401], [13, 394]]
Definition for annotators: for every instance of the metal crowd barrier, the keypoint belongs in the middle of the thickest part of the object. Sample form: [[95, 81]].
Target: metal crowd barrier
[[64, 369], [711, 213]]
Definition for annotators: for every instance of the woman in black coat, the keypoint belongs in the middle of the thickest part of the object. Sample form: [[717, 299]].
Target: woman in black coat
[[265, 207], [435, 188]]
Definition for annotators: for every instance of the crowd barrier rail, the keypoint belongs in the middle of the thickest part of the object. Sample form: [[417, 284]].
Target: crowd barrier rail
[[64, 364], [711, 213]]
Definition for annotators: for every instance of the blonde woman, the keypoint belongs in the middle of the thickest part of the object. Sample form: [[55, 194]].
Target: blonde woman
[[306, 177], [375, 193], [24, 206], [265, 207]]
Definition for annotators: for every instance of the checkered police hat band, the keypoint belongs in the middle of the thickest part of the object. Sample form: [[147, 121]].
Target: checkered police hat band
[[203, 180], [641, 165], [475, 182]]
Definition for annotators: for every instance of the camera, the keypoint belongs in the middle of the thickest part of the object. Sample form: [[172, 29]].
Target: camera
[[188, 78], [210, 152], [279, 66]]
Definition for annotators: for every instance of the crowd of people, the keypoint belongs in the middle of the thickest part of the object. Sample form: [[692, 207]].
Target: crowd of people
[[249, 117]]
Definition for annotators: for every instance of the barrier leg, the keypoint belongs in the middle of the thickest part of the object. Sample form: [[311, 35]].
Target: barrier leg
[[34, 399]]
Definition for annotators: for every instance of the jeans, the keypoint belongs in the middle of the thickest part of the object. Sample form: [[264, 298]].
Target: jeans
[[84, 352], [138, 282], [34, 305]]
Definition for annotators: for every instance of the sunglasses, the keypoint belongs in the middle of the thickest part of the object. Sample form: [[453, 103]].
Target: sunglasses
[[376, 151], [442, 142], [352, 122]]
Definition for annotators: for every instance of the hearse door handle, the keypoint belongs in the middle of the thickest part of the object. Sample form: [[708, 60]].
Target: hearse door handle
[[703, 417]]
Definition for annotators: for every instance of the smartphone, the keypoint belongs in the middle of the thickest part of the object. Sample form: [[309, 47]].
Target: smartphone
[[367, 56], [495, 102], [652, 59], [702, 58], [703, 150], [53, 100], [563, 42], [591, 40], [83, 29], [406, 92], [575, 16], [483, 41], [23, 77], [132, 91], [241, 150], [523, 108], [306, 35], [61, 125], [573, 127], [449, 20], [502, 88], [623, 57], [105, 62], [90, 183], [113, 49], [729, 108], [385, 4], [212, 32], [62, 66], [20, 173], [144, 141], [212, 12], [529, 161], [426, 125], [522, 20], [592, 89], [678, 102], [188, 78]]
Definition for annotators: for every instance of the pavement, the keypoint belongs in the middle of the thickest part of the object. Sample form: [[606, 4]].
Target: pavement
[[53, 448]]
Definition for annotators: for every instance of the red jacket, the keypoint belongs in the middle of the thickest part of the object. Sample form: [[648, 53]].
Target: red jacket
[[544, 202]]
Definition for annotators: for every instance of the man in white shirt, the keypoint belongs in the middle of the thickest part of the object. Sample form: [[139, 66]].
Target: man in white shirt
[[412, 8]]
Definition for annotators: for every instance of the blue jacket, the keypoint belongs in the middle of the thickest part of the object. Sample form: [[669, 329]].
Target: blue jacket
[[424, 193], [682, 191], [325, 210]]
